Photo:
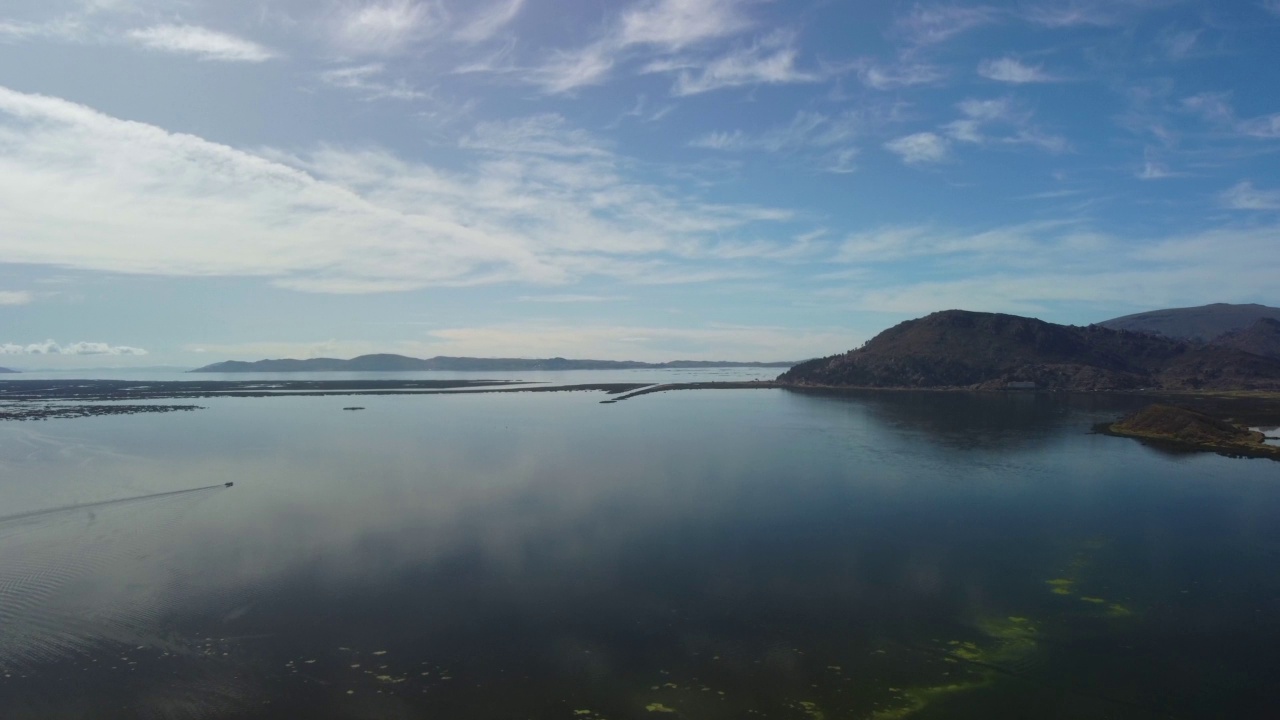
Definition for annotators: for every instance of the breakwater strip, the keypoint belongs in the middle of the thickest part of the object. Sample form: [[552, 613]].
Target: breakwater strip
[[44, 399]]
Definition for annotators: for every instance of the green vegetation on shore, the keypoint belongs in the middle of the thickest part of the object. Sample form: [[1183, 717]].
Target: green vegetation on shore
[[1192, 429]]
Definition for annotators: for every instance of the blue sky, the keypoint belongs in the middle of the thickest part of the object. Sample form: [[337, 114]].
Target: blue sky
[[199, 180]]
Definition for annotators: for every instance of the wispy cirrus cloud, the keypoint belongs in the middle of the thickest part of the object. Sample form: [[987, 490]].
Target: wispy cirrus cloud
[[64, 28], [677, 24], [200, 42], [806, 129], [368, 81], [920, 148], [903, 74], [1012, 70], [932, 24], [769, 61], [489, 21], [14, 297], [50, 347], [1059, 14], [1217, 109], [565, 71], [384, 27], [340, 221], [645, 343], [1033, 268], [977, 116], [1244, 196], [655, 31], [571, 298], [547, 134]]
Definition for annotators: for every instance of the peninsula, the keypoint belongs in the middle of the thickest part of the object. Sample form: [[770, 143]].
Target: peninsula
[[959, 349], [1193, 430], [399, 363]]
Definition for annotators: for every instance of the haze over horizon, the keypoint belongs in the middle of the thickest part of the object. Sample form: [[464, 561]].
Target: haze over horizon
[[645, 180]]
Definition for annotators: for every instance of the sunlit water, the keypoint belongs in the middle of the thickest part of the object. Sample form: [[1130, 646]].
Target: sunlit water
[[700, 554]]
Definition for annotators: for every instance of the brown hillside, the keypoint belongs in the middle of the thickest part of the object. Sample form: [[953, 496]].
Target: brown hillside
[[957, 348], [1199, 324], [1260, 338]]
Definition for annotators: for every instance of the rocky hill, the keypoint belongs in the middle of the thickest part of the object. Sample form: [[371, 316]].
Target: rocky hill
[[1260, 338], [400, 363], [1202, 324], [961, 349]]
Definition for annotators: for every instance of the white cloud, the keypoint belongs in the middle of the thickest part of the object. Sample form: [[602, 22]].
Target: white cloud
[[771, 61], [1267, 126], [676, 24], [1216, 108], [14, 297], [88, 191], [49, 347], [924, 147], [548, 134], [644, 343], [1059, 14], [1244, 196], [935, 24], [203, 43], [1035, 267], [68, 28], [570, 298], [806, 129], [656, 30], [841, 162], [385, 28], [1011, 70], [1065, 14], [566, 71], [365, 79], [490, 21], [908, 74], [979, 115], [1179, 44], [598, 342]]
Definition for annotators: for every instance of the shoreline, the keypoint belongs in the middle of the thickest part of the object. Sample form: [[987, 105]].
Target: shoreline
[[27, 399]]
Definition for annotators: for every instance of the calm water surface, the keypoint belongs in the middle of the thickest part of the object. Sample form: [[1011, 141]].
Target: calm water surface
[[725, 554]]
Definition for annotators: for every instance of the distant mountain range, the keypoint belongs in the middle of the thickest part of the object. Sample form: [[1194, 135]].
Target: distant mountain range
[[1206, 323], [7, 370], [957, 348], [401, 363]]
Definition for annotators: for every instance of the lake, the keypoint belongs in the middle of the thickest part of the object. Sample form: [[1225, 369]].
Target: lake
[[700, 554]]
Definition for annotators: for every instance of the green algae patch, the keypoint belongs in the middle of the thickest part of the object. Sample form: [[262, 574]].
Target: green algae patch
[[812, 710], [1117, 610], [922, 697], [658, 708], [1061, 586], [1094, 600]]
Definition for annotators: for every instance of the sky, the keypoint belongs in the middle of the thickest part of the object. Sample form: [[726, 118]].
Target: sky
[[189, 181]]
